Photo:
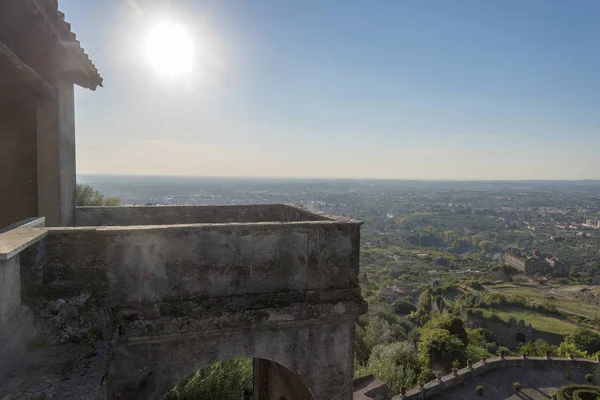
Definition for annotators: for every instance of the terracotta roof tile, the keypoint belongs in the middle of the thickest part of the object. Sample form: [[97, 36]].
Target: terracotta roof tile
[[48, 9]]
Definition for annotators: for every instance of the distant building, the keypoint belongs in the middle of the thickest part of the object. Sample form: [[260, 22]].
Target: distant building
[[592, 223], [537, 263], [392, 293]]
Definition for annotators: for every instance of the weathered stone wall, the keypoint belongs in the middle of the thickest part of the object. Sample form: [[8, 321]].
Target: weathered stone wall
[[64, 280], [190, 295], [170, 215], [10, 311], [320, 354], [164, 263], [177, 297], [10, 288], [451, 381]]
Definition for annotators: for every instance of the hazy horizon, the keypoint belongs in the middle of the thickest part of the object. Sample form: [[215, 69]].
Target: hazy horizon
[[317, 178], [428, 90]]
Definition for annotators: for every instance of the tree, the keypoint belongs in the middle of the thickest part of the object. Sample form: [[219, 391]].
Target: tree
[[425, 300], [378, 331], [85, 195], [396, 363], [438, 348], [585, 340], [569, 349], [538, 348], [487, 246], [403, 307], [451, 323], [361, 350]]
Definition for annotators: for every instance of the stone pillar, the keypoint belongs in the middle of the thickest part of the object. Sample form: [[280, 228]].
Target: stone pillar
[[11, 345], [56, 156]]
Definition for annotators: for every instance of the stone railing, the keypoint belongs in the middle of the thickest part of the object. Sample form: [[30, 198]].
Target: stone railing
[[451, 381]]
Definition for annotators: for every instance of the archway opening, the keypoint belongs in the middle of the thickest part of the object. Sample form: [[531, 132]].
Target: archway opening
[[241, 379], [228, 379], [520, 337]]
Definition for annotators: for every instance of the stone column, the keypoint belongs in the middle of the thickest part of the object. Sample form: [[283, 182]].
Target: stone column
[[11, 344], [56, 156]]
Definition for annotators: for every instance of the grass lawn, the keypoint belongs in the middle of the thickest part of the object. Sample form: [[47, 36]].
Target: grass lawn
[[543, 295], [539, 321]]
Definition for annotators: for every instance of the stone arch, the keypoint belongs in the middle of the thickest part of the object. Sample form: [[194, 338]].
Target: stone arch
[[520, 337], [320, 356], [274, 381]]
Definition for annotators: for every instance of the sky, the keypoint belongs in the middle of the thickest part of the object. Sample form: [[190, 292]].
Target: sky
[[403, 89]]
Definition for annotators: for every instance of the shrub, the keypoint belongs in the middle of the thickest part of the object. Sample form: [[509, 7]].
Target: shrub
[[403, 307], [396, 364], [479, 390], [223, 380], [85, 195], [577, 392], [504, 350], [589, 377], [517, 386]]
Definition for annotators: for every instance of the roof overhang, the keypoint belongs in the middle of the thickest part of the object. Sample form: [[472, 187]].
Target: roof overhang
[[78, 63]]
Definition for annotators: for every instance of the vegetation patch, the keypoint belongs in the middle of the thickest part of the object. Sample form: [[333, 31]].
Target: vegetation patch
[[537, 320], [224, 380], [577, 392]]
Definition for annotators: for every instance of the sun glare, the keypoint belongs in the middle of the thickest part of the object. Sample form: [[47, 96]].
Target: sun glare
[[169, 49]]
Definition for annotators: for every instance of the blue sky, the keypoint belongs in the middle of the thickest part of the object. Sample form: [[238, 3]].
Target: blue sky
[[386, 89]]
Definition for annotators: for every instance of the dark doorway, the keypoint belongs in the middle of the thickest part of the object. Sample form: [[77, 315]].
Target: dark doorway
[[521, 338]]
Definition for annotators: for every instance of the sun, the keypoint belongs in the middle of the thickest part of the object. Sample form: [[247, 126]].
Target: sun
[[169, 49]]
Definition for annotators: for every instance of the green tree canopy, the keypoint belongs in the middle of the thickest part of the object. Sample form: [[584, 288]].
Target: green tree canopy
[[396, 364], [425, 300], [438, 348], [403, 307], [585, 340], [451, 323], [538, 348], [85, 195]]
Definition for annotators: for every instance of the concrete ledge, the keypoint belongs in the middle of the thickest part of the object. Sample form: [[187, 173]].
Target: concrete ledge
[[451, 381], [120, 229], [16, 240], [33, 222], [202, 214]]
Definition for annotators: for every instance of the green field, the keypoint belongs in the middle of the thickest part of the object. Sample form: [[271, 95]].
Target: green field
[[539, 321], [545, 295]]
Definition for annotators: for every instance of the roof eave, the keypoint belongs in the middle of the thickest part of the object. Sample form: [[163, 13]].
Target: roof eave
[[61, 30]]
